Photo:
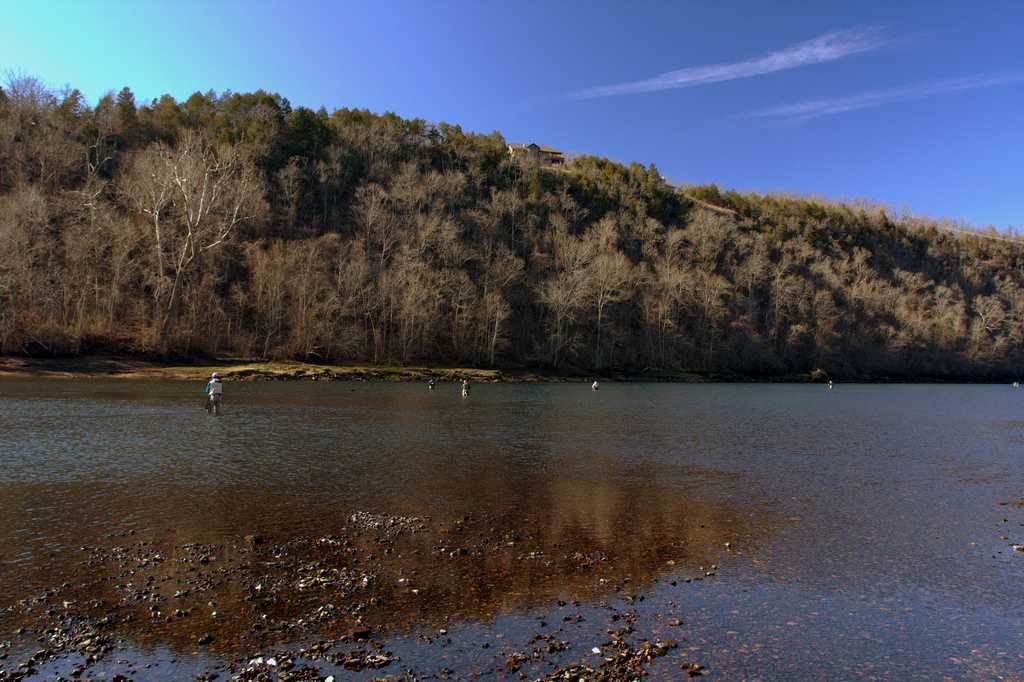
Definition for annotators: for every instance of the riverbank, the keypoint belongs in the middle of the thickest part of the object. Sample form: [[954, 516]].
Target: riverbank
[[250, 369], [242, 369]]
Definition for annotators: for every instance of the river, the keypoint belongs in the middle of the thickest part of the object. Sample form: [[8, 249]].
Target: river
[[862, 532]]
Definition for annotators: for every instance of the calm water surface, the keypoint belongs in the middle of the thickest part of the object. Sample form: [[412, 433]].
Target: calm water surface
[[867, 531]]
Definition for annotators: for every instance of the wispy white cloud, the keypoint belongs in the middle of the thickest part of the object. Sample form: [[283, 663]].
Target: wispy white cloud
[[825, 48], [813, 108]]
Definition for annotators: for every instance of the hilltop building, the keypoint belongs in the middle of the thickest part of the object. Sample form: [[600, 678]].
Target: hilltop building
[[547, 156]]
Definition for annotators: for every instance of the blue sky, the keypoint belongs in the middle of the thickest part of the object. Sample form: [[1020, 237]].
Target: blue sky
[[919, 105]]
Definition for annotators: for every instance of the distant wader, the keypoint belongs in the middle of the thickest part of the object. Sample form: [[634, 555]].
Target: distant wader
[[215, 390]]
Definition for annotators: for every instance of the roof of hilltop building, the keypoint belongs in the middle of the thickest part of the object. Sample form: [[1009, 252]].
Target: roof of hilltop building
[[549, 150]]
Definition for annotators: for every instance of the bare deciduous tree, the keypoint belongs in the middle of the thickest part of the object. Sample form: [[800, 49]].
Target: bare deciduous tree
[[195, 195]]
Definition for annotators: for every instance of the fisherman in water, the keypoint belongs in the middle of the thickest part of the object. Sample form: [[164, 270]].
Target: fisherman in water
[[465, 388], [430, 384], [214, 390]]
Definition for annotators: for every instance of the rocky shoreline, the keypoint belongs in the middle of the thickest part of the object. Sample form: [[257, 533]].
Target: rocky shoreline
[[143, 367], [308, 607], [129, 367]]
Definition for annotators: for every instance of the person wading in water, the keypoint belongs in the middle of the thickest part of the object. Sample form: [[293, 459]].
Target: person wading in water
[[214, 390]]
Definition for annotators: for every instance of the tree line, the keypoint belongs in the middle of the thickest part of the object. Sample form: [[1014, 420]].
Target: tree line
[[239, 224]]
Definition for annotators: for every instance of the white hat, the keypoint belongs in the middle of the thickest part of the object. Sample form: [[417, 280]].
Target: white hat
[[215, 376]]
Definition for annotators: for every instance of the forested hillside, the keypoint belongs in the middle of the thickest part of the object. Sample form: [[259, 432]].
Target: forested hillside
[[238, 224]]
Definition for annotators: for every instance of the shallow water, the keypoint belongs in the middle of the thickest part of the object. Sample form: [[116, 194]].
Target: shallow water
[[866, 532]]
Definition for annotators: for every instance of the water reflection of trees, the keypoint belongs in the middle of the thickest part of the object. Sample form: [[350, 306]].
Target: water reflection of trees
[[549, 540]]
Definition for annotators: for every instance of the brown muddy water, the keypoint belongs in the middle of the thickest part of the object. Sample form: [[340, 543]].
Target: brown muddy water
[[532, 531]]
